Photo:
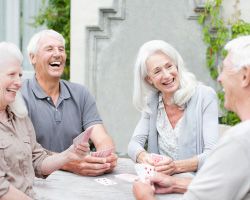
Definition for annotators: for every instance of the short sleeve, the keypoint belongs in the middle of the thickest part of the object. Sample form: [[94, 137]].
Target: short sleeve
[[90, 115]]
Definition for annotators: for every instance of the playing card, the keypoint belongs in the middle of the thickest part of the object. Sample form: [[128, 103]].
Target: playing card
[[127, 177], [103, 153], [83, 137], [156, 157], [144, 171], [105, 181]]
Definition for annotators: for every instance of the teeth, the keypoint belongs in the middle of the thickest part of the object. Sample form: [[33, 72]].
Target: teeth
[[55, 63], [11, 90]]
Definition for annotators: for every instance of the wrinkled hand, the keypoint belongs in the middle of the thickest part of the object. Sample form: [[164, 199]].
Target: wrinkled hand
[[78, 152], [143, 191], [163, 183], [165, 166], [112, 159], [92, 166]]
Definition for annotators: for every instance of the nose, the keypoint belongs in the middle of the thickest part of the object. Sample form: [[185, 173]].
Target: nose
[[165, 72], [56, 52], [18, 81]]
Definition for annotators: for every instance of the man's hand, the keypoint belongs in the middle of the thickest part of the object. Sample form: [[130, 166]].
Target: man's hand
[[143, 191], [112, 159], [165, 184], [92, 166]]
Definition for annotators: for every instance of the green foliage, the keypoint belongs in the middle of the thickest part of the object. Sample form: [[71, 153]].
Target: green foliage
[[215, 34], [56, 15]]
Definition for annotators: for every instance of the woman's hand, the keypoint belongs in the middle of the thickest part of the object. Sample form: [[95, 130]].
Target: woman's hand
[[165, 166]]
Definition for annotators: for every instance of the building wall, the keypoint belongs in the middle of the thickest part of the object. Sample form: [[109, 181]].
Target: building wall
[[104, 48]]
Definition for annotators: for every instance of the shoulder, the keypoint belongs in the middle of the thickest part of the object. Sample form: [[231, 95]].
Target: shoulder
[[75, 88], [205, 93], [239, 132], [26, 86], [205, 90]]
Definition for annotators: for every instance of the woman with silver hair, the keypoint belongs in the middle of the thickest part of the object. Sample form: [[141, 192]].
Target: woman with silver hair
[[179, 117], [21, 156]]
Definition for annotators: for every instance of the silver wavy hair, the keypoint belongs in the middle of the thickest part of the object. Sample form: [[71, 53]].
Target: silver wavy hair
[[8, 53], [143, 90], [34, 41], [239, 50]]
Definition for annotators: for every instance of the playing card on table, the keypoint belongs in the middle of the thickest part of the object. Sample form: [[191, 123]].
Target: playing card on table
[[156, 157], [103, 153], [83, 137], [127, 177], [144, 171], [105, 181]]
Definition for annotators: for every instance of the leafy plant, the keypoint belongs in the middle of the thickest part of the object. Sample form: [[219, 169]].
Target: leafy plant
[[216, 32], [55, 14]]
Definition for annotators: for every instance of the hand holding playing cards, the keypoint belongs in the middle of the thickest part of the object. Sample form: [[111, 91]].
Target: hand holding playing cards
[[163, 164], [77, 152], [165, 184], [143, 190]]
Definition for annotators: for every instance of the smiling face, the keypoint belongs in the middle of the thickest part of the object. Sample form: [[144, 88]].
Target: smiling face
[[50, 58], [10, 81], [162, 73]]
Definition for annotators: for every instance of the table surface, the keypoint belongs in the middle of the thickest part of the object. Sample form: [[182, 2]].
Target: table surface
[[62, 185]]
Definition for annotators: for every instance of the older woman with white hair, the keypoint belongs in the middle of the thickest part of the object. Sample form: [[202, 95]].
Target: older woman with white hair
[[21, 156], [179, 117]]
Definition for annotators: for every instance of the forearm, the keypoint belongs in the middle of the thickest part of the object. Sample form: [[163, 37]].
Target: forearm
[[100, 138], [180, 185], [140, 158], [54, 162], [188, 165], [15, 194]]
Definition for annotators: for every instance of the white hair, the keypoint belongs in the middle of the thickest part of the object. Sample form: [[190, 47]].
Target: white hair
[[8, 53], [34, 41], [239, 50], [143, 90]]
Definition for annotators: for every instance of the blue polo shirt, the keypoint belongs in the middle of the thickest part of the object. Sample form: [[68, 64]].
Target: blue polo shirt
[[57, 125]]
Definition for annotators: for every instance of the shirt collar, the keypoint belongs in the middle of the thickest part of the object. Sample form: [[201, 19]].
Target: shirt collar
[[161, 105], [39, 93]]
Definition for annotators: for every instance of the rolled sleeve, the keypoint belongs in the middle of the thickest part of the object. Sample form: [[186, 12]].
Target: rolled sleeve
[[4, 184], [38, 152]]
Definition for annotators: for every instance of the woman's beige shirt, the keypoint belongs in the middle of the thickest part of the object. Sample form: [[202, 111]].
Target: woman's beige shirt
[[21, 155]]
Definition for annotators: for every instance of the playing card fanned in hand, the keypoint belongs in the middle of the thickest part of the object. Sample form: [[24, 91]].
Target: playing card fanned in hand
[[144, 171], [83, 137], [103, 153]]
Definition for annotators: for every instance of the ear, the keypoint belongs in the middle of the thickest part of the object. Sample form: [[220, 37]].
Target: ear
[[245, 76], [149, 80], [32, 58]]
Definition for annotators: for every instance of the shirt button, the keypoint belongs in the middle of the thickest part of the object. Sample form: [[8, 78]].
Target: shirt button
[[48, 98]]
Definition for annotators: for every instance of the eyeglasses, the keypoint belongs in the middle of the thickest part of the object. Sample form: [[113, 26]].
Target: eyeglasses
[[159, 71]]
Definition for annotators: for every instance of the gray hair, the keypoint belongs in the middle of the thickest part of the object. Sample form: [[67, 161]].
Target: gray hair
[[34, 41], [239, 50], [143, 90], [9, 52]]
